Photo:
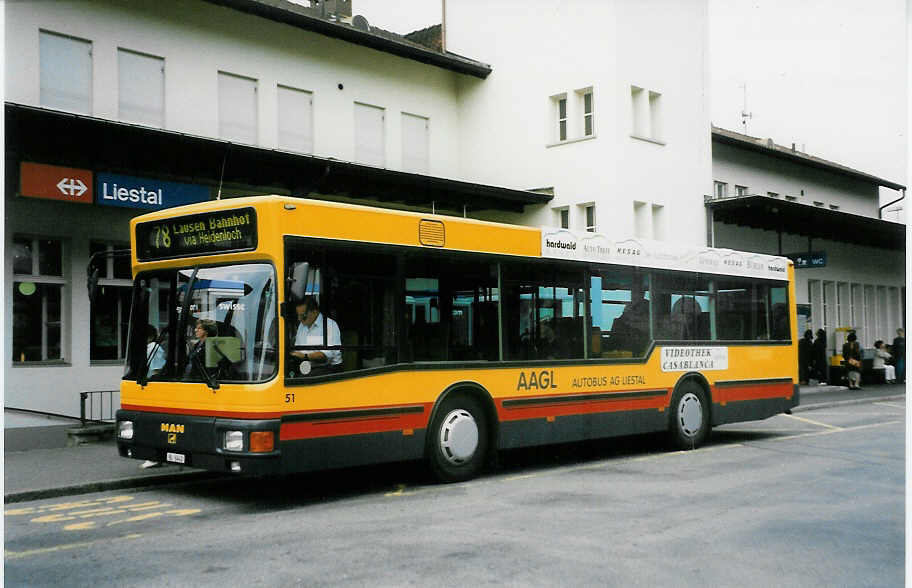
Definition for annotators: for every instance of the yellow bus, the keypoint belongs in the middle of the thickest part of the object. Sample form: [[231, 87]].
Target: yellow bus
[[272, 335]]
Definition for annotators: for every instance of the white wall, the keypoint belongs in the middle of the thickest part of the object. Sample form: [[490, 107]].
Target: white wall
[[507, 121], [198, 39], [762, 173], [55, 387]]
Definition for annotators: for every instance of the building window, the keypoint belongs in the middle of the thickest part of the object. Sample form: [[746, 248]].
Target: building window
[[562, 217], [141, 88], [589, 210], [640, 108], [110, 311], [658, 221], [415, 143], [370, 135], [655, 116], [641, 219], [38, 284], [646, 107], [720, 189], [741, 191], [560, 103], [237, 104], [295, 112], [66, 72], [588, 127]]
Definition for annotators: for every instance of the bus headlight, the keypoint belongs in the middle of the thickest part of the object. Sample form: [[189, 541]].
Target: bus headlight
[[234, 440], [125, 429]]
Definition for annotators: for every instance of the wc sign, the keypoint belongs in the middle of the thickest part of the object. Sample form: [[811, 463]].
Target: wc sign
[[145, 193]]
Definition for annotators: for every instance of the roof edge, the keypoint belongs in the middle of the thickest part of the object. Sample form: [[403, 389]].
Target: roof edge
[[767, 146], [286, 13]]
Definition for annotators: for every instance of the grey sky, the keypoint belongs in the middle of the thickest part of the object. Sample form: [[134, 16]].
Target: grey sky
[[829, 74]]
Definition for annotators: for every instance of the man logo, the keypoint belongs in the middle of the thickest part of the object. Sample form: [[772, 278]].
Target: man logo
[[172, 438]]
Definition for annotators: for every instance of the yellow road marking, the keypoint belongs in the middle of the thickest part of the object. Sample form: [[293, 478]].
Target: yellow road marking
[[148, 507], [137, 518], [93, 511], [68, 506], [12, 512], [52, 518], [400, 491], [80, 526], [68, 546], [152, 503], [182, 512], [812, 422]]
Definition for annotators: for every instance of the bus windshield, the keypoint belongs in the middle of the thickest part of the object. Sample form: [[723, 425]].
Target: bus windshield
[[230, 333]]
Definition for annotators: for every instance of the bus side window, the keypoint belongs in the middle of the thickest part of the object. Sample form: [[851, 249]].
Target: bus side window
[[451, 310], [619, 314], [543, 313]]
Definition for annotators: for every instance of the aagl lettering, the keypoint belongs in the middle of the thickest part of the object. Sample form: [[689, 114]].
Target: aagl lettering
[[540, 380]]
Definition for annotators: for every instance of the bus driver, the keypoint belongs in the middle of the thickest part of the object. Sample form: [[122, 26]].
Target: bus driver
[[310, 332]]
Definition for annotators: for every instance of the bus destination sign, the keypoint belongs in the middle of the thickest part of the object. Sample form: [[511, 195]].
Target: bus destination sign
[[207, 233]]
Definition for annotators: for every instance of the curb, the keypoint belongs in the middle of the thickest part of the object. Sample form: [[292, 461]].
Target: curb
[[87, 488], [831, 404]]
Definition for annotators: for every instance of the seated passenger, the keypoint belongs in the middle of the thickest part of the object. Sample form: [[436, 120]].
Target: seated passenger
[[155, 354], [310, 332], [196, 359]]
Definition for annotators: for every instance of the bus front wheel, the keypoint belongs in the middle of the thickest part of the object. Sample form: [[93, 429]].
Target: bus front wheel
[[689, 416], [458, 440]]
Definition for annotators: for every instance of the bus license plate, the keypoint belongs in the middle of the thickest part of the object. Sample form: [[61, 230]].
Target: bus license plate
[[175, 457]]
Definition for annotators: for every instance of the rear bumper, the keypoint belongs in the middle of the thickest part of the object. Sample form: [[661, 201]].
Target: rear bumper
[[198, 441]]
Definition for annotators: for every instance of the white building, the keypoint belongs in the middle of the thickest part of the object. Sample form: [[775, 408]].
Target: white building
[[602, 103], [850, 263], [588, 115]]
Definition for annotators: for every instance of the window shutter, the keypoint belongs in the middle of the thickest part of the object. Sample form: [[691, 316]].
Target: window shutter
[[66, 73]]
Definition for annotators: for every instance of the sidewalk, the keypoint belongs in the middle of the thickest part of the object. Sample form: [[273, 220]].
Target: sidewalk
[[95, 467]]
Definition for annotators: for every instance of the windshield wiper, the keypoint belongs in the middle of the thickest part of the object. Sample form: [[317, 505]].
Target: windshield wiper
[[211, 380], [182, 325]]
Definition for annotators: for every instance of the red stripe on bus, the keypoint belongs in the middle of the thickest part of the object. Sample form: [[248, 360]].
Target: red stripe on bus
[[337, 427], [757, 391], [566, 407]]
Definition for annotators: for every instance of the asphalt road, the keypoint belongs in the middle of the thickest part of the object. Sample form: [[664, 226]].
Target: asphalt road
[[809, 499]]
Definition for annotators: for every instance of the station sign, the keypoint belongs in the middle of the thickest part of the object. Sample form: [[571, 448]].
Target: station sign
[[54, 182], [808, 259], [145, 193]]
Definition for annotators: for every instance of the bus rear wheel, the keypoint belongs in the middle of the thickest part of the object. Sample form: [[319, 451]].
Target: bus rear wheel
[[458, 439], [689, 416]]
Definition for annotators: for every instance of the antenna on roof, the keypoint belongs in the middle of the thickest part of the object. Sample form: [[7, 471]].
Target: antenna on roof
[[218, 196], [745, 115]]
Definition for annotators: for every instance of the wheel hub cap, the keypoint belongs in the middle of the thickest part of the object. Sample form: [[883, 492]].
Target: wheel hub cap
[[458, 436], [690, 414]]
